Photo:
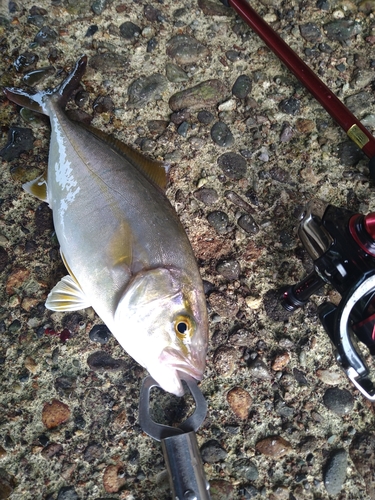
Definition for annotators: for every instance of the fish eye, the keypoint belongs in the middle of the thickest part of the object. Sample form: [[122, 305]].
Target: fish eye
[[183, 327]]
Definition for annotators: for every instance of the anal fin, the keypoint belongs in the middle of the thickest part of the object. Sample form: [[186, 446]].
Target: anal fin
[[37, 187], [67, 295]]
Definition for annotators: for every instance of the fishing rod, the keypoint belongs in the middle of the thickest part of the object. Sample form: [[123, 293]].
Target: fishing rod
[[357, 132]]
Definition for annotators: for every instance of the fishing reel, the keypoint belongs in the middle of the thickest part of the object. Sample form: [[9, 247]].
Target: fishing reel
[[342, 246]]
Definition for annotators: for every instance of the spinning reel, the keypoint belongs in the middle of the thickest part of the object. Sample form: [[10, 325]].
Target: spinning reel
[[342, 246]]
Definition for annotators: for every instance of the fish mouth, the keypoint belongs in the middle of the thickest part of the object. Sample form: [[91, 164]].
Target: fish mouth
[[193, 367]]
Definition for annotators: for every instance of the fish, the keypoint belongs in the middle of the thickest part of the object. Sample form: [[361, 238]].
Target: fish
[[123, 245]]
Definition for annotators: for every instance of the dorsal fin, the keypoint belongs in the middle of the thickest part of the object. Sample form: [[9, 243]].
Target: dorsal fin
[[154, 170]]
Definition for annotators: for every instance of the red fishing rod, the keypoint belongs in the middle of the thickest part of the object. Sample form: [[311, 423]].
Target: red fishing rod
[[339, 112]]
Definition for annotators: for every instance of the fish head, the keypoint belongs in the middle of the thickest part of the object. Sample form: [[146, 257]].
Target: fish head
[[161, 321]]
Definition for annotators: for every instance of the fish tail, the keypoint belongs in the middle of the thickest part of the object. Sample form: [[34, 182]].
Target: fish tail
[[37, 101]]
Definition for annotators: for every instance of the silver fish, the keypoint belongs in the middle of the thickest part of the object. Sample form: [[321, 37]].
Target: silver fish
[[122, 243]]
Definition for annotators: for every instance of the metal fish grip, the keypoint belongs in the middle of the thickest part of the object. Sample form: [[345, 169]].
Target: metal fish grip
[[179, 444]]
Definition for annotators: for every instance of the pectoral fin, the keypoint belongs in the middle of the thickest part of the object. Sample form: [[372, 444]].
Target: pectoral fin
[[67, 295], [37, 187]]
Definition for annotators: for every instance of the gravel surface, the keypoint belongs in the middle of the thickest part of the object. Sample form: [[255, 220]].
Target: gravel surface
[[189, 83]]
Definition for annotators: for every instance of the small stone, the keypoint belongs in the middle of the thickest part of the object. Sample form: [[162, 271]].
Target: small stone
[[55, 414], [67, 493], [280, 175], [229, 269], [212, 8], [287, 133], [25, 61], [274, 446], [291, 106], [225, 360], [248, 224], [208, 196], [342, 29], [362, 453], [129, 31], [219, 221], [212, 452], [358, 103], [233, 165], [237, 200], [2, 453], [258, 369], [329, 377], [281, 361], [340, 401], [300, 377], [152, 14], [103, 104], [113, 478], [183, 129], [43, 218], [93, 452], [221, 135], [20, 140], [205, 117], [349, 153], [51, 450], [220, 489], [311, 32], [31, 364], [100, 333], [205, 94], [7, 484], [253, 303], [16, 279], [91, 30], [98, 6], [228, 105], [175, 74], [157, 127], [304, 126], [45, 36], [362, 78], [146, 89], [233, 55], [242, 86], [245, 468], [240, 402], [102, 361], [185, 49], [108, 62], [4, 259], [335, 472]]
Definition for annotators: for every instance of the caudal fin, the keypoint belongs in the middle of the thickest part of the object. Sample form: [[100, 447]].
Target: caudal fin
[[36, 101]]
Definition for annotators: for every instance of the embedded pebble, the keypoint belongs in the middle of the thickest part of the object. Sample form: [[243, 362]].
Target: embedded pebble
[[340, 401], [287, 133], [233, 165], [225, 360], [43, 218], [335, 472], [280, 361], [221, 135], [223, 305], [207, 93], [152, 44], [51, 450], [220, 489], [358, 103], [129, 31], [175, 74], [2, 452], [114, 478], [91, 30], [279, 174], [245, 468], [212, 8], [25, 61], [291, 106], [248, 224], [183, 129], [208, 196], [212, 452], [258, 369], [185, 49], [237, 200], [349, 153], [233, 55], [100, 333], [152, 14], [242, 86], [311, 32], [274, 446], [55, 414], [362, 78], [342, 29], [146, 89], [45, 36], [4, 259], [329, 377], [219, 221], [362, 453], [205, 117], [102, 361], [7, 484], [240, 402], [108, 62], [157, 126], [16, 279], [93, 451], [229, 269], [103, 104], [20, 140]]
